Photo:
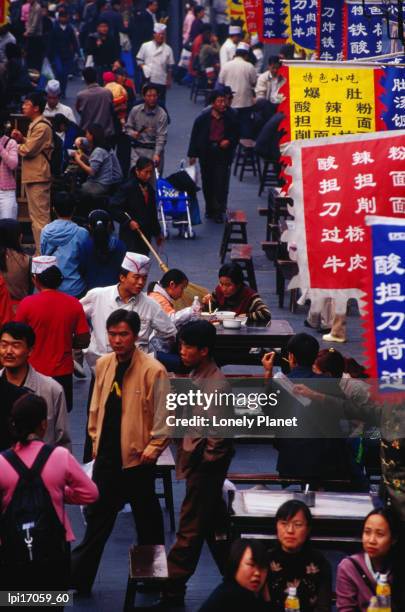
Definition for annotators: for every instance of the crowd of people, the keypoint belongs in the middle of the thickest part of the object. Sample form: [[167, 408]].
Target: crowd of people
[[78, 303]]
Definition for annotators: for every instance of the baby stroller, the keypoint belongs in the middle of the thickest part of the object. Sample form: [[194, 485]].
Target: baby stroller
[[176, 201]]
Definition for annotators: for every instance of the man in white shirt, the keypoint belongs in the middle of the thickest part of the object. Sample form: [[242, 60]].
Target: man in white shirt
[[228, 49], [99, 303], [270, 82], [53, 105], [156, 60], [240, 75]]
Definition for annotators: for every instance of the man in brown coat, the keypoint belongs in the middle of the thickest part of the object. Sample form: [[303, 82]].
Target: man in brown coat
[[127, 410], [203, 462], [36, 150]]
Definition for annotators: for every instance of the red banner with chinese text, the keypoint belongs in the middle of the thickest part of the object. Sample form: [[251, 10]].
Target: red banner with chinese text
[[253, 13], [335, 183]]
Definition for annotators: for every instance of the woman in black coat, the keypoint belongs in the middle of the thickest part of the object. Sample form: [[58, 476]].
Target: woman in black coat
[[134, 207]]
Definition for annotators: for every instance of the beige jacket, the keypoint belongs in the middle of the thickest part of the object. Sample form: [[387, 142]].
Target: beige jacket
[[36, 151], [144, 390]]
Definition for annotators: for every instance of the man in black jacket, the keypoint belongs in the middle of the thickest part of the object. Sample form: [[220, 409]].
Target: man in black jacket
[[62, 49], [9, 394], [213, 141], [134, 207]]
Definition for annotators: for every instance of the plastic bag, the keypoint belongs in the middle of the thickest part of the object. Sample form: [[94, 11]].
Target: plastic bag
[[125, 42], [46, 70], [89, 61], [184, 60]]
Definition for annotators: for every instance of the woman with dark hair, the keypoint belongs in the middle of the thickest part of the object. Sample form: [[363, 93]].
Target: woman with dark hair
[[357, 575], [101, 166], [64, 481], [232, 294], [169, 289], [14, 263], [294, 562], [100, 257], [244, 580], [134, 207]]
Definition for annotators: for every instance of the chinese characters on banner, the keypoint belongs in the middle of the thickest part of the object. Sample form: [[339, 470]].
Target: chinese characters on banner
[[330, 34], [393, 98], [342, 183], [302, 20], [364, 31], [385, 326], [253, 13], [324, 101], [273, 20]]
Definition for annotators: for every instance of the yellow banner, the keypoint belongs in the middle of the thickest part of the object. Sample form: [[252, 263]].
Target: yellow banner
[[330, 101], [236, 12], [4, 6]]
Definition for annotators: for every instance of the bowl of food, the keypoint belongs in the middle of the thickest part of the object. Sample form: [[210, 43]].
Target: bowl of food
[[207, 316], [225, 314], [231, 323]]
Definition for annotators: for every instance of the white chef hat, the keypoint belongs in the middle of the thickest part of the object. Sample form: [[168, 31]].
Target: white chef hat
[[53, 87], [42, 263], [242, 46], [234, 30], [137, 263], [159, 28]]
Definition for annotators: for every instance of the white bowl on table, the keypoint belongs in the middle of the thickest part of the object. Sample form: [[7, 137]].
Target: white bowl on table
[[232, 323], [221, 315]]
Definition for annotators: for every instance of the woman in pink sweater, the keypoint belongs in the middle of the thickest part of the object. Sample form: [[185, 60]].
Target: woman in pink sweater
[[356, 579], [65, 482], [8, 165]]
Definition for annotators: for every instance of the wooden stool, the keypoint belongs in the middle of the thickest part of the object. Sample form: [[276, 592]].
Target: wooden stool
[[164, 466], [246, 158], [270, 175], [148, 565], [242, 254], [285, 270], [234, 231]]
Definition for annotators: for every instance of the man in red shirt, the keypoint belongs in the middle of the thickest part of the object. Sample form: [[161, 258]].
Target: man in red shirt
[[58, 321]]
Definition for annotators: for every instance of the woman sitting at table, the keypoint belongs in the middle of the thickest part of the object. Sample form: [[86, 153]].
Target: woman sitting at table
[[244, 580], [294, 562], [232, 294], [356, 579]]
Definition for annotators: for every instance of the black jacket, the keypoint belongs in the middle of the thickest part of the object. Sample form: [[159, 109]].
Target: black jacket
[[62, 43], [200, 136], [231, 596], [9, 394], [129, 204]]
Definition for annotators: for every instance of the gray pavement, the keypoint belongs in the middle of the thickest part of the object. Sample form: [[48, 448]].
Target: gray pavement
[[199, 259]]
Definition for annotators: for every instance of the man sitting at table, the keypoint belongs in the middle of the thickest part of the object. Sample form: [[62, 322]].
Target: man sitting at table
[[313, 451], [232, 294], [203, 462]]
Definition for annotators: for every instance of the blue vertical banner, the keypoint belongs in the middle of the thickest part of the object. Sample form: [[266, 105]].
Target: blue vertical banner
[[393, 98], [303, 23], [386, 301], [330, 33], [274, 26], [364, 31]]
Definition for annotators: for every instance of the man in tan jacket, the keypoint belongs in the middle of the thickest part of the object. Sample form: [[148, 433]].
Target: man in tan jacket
[[36, 150], [127, 408]]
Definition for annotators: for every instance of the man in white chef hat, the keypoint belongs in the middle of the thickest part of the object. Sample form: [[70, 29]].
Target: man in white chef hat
[[99, 303], [156, 60], [228, 49]]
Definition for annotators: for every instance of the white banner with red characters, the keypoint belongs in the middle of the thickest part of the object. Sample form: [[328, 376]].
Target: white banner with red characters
[[336, 182]]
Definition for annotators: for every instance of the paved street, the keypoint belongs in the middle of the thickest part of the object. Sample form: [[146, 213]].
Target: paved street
[[199, 259]]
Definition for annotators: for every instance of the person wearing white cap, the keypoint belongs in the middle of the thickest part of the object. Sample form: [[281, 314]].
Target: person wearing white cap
[[156, 60], [228, 49], [240, 75], [58, 321], [53, 104], [99, 303]]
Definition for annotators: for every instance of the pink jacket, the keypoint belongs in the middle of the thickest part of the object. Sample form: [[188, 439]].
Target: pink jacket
[[352, 592], [8, 163], [62, 475]]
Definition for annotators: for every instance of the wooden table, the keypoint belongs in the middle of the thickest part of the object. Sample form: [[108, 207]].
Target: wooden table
[[338, 517], [233, 345]]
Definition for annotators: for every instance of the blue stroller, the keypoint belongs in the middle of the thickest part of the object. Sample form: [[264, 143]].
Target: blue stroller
[[174, 205]]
